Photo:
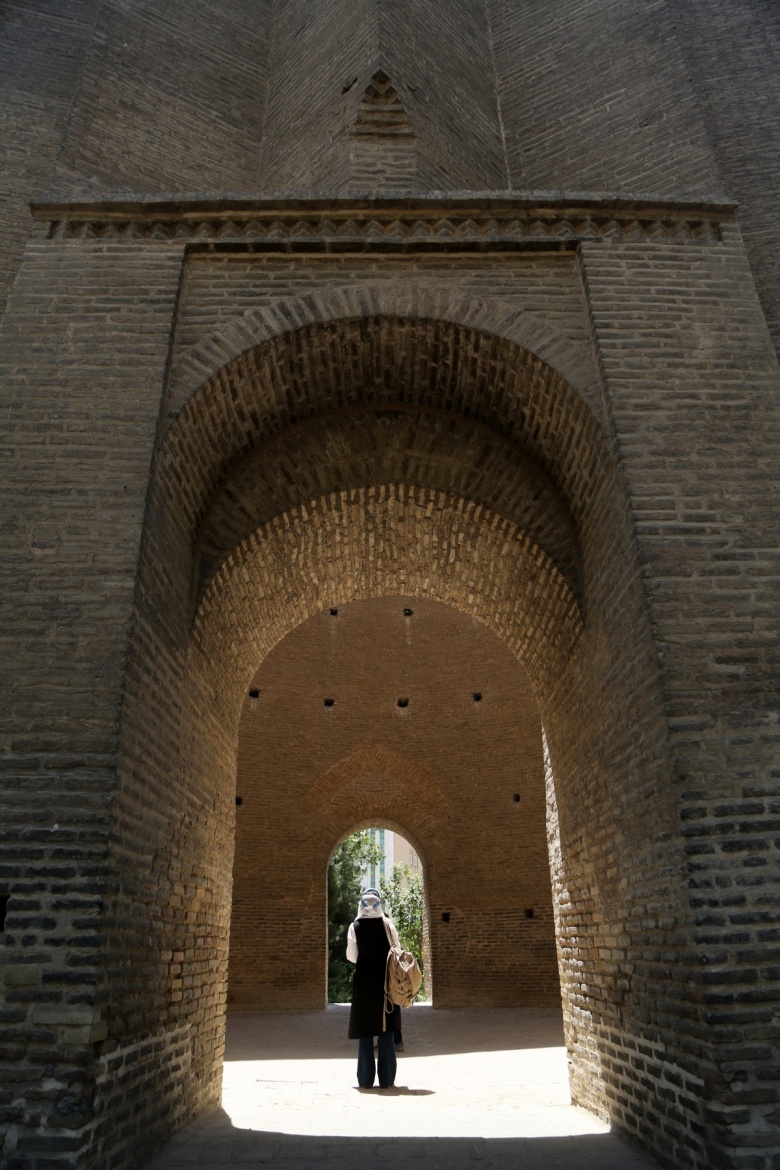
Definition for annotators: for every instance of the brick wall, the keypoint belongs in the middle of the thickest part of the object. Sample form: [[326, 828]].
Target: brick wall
[[171, 98], [121, 95], [42, 52], [439, 62], [700, 444], [625, 119], [731, 53], [84, 347]]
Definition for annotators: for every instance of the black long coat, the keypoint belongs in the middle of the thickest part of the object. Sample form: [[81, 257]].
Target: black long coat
[[368, 982]]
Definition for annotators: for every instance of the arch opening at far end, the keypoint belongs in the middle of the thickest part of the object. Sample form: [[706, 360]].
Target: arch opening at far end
[[379, 856]]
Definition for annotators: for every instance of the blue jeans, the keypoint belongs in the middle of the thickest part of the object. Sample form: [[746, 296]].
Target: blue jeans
[[367, 1066]]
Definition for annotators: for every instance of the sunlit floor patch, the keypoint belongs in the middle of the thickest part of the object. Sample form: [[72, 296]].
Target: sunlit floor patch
[[463, 1074], [475, 1091]]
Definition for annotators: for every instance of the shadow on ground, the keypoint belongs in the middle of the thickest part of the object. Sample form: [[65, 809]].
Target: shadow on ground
[[229, 1148]]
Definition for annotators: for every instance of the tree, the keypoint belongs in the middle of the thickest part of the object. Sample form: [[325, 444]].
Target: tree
[[402, 897], [350, 861]]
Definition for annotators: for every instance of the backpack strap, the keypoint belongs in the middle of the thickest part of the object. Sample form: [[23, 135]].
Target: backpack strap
[[388, 1006]]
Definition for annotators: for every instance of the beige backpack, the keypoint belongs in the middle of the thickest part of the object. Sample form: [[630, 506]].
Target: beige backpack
[[403, 977]]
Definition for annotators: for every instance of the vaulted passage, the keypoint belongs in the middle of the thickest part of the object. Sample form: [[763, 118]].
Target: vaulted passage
[[417, 465]]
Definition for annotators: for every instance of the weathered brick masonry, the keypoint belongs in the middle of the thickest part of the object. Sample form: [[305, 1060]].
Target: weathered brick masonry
[[545, 423]]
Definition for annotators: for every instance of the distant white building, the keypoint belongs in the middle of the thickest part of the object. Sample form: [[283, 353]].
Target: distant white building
[[397, 851]]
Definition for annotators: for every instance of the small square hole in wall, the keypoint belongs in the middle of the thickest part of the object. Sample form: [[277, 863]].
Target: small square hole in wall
[[445, 916], [254, 693], [477, 696], [529, 913], [408, 612], [239, 801], [334, 613], [4, 899], [516, 798], [402, 703], [329, 702]]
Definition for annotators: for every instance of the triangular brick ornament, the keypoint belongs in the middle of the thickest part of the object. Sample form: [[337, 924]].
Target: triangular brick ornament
[[381, 113]]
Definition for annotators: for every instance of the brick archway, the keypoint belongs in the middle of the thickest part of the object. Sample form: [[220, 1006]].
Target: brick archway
[[369, 543], [372, 787], [375, 787], [415, 302], [585, 640], [380, 541], [398, 825], [280, 372]]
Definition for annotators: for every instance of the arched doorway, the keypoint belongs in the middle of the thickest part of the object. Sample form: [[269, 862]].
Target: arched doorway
[[382, 857], [378, 456]]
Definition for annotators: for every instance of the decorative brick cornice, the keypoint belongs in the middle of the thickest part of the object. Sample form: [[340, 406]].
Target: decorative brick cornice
[[459, 223]]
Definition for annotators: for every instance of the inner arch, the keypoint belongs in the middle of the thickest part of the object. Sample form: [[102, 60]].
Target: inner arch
[[394, 443], [380, 541]]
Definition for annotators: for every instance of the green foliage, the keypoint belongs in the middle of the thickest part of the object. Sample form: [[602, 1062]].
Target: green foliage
[[402, 897], [350, 860]]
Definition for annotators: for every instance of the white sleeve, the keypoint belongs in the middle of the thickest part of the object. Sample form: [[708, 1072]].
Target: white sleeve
[[393, 934], [352, 948]]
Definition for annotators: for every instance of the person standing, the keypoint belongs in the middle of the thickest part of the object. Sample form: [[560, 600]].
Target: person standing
[[367, 948]]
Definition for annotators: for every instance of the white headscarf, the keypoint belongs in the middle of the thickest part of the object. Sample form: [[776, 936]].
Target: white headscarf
[[370, 904]]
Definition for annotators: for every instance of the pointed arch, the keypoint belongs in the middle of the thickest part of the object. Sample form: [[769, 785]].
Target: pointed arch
[[522, 329]]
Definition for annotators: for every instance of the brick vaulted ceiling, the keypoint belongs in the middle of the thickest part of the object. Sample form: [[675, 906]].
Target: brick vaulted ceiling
[[362, 403], [394, 444]]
